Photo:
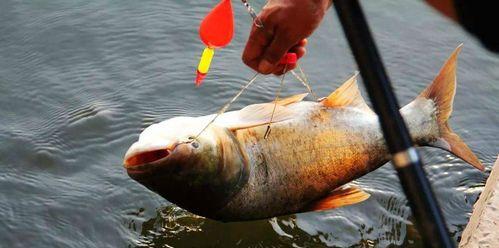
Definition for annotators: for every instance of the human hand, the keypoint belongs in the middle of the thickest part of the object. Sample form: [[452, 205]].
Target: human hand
[[286, 25]]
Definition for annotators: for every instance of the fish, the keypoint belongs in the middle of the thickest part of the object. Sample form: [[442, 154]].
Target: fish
[[231, 172]]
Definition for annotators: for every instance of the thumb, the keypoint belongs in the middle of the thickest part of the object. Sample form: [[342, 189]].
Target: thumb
[[279, 46]]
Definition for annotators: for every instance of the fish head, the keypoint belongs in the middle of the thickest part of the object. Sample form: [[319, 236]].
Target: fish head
[[198, 173]]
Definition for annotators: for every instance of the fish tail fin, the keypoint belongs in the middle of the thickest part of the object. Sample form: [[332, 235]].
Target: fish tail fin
[[441, 92]]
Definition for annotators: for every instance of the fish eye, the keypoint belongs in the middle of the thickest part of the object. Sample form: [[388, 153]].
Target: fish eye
[[195, 144]]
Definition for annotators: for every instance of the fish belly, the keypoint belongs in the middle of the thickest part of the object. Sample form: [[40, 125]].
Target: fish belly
[[304, 158]]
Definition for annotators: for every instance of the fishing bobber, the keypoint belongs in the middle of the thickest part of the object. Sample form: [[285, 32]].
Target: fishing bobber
[[204, 64], [216, 31]]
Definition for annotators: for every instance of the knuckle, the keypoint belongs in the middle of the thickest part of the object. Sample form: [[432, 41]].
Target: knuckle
[[273, 56]]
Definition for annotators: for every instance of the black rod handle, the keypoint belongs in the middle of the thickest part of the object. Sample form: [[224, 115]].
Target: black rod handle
[[429, 218]]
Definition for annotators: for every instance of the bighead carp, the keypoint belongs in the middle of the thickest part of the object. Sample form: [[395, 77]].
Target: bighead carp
[[231, 172]]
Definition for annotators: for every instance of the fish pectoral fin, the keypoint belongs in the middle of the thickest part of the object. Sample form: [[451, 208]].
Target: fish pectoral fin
[[340, 197], [255, 115], [291, 99], [260, 114], [348, 94]]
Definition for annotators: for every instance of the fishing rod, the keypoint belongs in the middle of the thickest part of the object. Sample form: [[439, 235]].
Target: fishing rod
[[407, 162]]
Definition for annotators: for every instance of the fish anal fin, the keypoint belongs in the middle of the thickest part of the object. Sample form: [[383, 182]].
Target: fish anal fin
[[348, 94], [291, 99], [340, 197]]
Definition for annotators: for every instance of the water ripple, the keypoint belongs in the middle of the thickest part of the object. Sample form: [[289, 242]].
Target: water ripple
[[79, 80]]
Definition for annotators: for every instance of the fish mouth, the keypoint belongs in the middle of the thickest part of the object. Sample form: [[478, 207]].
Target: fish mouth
[[147, 157], [141, 158], [146, 163]]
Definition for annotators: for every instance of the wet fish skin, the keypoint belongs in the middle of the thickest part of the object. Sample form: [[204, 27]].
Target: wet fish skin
[[314, 148], [315, 155]]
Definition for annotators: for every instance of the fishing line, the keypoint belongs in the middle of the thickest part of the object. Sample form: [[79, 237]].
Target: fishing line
[[227, 105], [304, 81], [281, 85], [258, 23]]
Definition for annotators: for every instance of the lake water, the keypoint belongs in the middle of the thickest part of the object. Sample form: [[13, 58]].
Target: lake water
[[79, 80]]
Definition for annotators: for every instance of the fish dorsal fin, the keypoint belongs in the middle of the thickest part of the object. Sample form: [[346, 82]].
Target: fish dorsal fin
[[254, 115], [343, 196], [348, 94], [291, 99]]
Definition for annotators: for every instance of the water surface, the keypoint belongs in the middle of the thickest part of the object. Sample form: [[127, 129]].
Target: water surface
[[79, 80]]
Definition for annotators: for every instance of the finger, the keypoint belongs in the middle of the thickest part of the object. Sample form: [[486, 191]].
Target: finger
[[299, 50], [303, 42], [273, 54], [258, 41], [278, 70]]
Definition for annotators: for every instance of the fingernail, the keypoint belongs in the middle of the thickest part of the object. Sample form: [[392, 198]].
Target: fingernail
[[265, 67]]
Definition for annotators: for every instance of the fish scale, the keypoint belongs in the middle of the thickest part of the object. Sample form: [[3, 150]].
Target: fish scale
[[312, 161], [223, 167]]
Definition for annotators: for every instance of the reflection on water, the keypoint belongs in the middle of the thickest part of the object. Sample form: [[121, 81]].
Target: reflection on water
[[380, 221], [174, 227], [79, 80]]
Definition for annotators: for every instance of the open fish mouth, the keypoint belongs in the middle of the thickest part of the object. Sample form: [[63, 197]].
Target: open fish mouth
[[146, 157], [142, 156]]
